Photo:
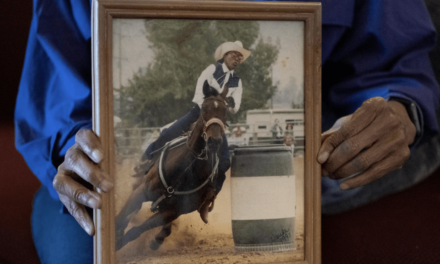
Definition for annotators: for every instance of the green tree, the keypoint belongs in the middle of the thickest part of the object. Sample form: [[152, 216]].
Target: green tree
[[183, 49]]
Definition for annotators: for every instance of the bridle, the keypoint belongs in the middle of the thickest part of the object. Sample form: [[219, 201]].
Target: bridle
[[204, 135], [211, 121]]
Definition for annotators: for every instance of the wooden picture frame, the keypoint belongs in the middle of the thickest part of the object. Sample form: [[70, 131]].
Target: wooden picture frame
[[106, 12]]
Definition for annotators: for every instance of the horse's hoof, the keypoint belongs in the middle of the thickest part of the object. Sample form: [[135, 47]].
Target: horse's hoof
[[118, 244], [154, 245]]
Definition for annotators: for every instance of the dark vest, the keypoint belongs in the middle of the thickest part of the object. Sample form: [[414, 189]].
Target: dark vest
[[220, 75]]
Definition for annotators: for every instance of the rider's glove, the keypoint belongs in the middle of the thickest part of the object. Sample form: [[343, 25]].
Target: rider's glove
[[231, 101]]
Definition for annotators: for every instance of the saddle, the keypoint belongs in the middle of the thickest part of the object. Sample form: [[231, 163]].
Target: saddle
[[146, 164]]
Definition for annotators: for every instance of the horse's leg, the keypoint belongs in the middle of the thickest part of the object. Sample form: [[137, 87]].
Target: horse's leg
[[142, 193], [164, 233], [158, 219], [133, 204]]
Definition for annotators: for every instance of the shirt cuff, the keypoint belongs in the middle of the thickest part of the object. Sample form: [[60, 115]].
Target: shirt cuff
[[416, 118]]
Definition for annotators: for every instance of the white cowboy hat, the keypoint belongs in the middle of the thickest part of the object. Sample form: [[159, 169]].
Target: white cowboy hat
[[231, 46]]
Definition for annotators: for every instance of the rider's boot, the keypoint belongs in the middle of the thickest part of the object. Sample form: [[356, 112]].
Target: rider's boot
[[140, 170], [208, 204], [143, 168]]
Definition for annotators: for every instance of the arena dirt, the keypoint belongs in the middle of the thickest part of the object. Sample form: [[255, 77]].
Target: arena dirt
[[193, 241]]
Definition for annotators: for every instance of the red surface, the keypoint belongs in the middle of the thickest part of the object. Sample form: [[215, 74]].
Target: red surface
[[402, 228], [18, 184], [17, 188]]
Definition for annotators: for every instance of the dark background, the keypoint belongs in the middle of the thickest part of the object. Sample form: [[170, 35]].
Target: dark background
[[401, 228], [17, 185], [15, 20]]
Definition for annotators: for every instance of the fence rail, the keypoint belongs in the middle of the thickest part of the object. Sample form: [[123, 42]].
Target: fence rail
[[132, 142]]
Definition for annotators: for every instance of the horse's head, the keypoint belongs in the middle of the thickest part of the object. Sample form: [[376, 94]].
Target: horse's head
[[213, 115]]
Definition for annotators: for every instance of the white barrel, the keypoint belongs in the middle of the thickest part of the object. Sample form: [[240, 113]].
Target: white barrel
[[263, 198]]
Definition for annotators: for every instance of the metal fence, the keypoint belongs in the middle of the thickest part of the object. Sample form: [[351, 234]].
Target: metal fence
[[132, 142]]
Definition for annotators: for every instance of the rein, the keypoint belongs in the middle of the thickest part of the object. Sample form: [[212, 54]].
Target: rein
[[170, 189]]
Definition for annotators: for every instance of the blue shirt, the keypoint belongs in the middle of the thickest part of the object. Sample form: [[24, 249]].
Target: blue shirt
[[369, 48]]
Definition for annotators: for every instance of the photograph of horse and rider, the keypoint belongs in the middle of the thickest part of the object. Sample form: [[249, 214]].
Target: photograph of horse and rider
[[209, 141]]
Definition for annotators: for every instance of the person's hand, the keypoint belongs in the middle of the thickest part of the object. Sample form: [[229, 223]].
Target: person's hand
[[75, 175], [231, 102], [369, 143]]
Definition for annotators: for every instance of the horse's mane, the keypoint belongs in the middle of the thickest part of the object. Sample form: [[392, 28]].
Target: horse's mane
[[195, 126]]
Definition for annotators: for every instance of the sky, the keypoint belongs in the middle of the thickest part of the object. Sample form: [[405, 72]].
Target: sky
[[131, 53]]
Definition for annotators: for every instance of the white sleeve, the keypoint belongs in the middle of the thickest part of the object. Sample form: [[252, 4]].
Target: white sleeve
[[237, 98], [207, 74]]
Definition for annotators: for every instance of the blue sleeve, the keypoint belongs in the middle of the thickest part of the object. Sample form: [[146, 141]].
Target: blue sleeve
[[384, 53], [377, 48], [54, 98]]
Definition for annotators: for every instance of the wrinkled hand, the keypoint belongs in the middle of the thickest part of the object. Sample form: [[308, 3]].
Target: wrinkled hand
[[370, 143], [78, 171]]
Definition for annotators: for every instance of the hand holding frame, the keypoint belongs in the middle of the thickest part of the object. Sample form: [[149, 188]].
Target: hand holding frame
[[78, 171], [370, 143]]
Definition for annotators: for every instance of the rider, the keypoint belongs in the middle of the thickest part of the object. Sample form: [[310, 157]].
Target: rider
[[228, 56]]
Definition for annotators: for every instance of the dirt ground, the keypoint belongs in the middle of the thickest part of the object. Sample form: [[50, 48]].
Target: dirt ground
[[193, 241]]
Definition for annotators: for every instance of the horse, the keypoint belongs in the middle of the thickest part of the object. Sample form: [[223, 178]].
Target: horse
[[181, 178]]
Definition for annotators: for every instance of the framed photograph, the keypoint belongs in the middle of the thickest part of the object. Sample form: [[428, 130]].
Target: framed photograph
[[209, 113]]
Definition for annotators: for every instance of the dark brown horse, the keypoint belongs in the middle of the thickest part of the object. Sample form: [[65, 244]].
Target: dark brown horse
[[181, 179]]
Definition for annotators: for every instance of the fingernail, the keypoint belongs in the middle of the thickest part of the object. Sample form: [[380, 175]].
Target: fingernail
[[344, 186], [106, 186], [97, 156], [93, 203], [88, 228], [323, 157]]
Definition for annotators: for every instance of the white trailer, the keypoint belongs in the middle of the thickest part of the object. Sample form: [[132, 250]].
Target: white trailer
[[260, 123]]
